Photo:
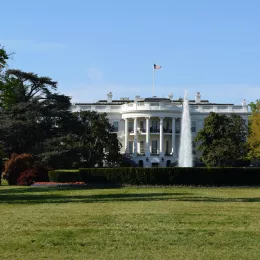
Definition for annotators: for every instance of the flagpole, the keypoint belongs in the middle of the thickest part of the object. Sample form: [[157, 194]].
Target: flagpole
[[153, 80]]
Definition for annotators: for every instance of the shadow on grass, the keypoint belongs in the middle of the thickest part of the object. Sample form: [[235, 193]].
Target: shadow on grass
[[31, 196]]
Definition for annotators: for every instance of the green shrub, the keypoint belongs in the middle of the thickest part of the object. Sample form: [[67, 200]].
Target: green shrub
[[173, 176], [64, 176]]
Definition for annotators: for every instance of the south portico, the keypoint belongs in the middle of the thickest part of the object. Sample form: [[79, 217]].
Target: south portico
[[150, 139]]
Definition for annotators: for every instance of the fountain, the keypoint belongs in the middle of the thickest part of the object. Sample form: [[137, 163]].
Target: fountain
[[185, 153]]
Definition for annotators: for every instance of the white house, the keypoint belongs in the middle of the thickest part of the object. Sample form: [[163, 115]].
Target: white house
[[149, 128]]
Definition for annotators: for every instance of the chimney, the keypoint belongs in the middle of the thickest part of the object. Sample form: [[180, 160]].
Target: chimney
[[244, 103], [197, 97], [170, 96], [109, 97], [137, 98]]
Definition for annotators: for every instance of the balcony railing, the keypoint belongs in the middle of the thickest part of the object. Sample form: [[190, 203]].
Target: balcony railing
[[154, 130], [167, 130]]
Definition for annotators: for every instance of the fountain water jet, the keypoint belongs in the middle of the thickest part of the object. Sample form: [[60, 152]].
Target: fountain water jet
[[185, 153]]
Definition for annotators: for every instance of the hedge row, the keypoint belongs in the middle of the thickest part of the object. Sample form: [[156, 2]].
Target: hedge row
[[65, 176], [164, 176]]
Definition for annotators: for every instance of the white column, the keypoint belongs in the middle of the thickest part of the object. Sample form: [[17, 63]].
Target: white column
[[135, 136], [147, 151], [126, 135], [161, 136], [173, 135]]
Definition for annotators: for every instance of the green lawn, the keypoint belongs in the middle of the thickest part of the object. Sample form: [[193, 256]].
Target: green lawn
[[129, 223]]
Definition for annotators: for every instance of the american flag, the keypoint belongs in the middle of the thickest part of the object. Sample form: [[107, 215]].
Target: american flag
[[156, 67]]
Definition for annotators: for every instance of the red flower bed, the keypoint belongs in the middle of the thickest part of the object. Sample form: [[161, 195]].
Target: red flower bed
[[79, 183]]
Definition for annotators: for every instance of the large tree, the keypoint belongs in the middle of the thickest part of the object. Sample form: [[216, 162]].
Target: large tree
[[36, 120], [22, 86], [254, 133], [26, 125], [91, 142], [222, 140], [30, 111]]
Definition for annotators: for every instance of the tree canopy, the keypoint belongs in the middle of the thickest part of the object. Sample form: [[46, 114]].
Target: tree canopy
[[222, 140], [3, 57], [36, 119], [22, 86], [254, 135]]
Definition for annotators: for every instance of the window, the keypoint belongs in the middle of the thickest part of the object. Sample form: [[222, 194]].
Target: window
[[115, 125], [193, 126], [167, 147], [130, 147], [154, 146], [131, 127], [193, 148], [178, 126], [167, 124], [141, 147], [154, 124], [141, 125]]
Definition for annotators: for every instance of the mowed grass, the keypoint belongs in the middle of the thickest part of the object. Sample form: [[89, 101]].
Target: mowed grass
[[129, 223]]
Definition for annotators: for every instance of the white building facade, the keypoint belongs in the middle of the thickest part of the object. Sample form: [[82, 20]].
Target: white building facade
[[149, 128]]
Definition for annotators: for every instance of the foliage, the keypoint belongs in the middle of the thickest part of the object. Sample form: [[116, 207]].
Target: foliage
[[16, 165], [22, 87], [64, 176], [127, 161], [222, 140], [254, 135], [43, 125], [37, 120], [26, 127], [254, 106], [23, 169], [90, 142], [96, 134], [36, 174], [173, 176], [3, 57]]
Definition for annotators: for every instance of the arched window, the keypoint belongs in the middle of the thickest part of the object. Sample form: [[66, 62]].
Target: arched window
[[141, 163]]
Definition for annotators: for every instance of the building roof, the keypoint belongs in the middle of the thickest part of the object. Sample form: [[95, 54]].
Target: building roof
[[155, 99], [152, 99]]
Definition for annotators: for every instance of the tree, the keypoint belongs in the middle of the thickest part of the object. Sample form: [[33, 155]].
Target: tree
[[3, 57], [26, 126], [36, 120], [254, 106], [22, 87], [223, 140], [89, 143], [254, 133]]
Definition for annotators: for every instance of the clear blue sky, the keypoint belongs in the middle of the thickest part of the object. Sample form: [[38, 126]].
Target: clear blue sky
[[93, 47]]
